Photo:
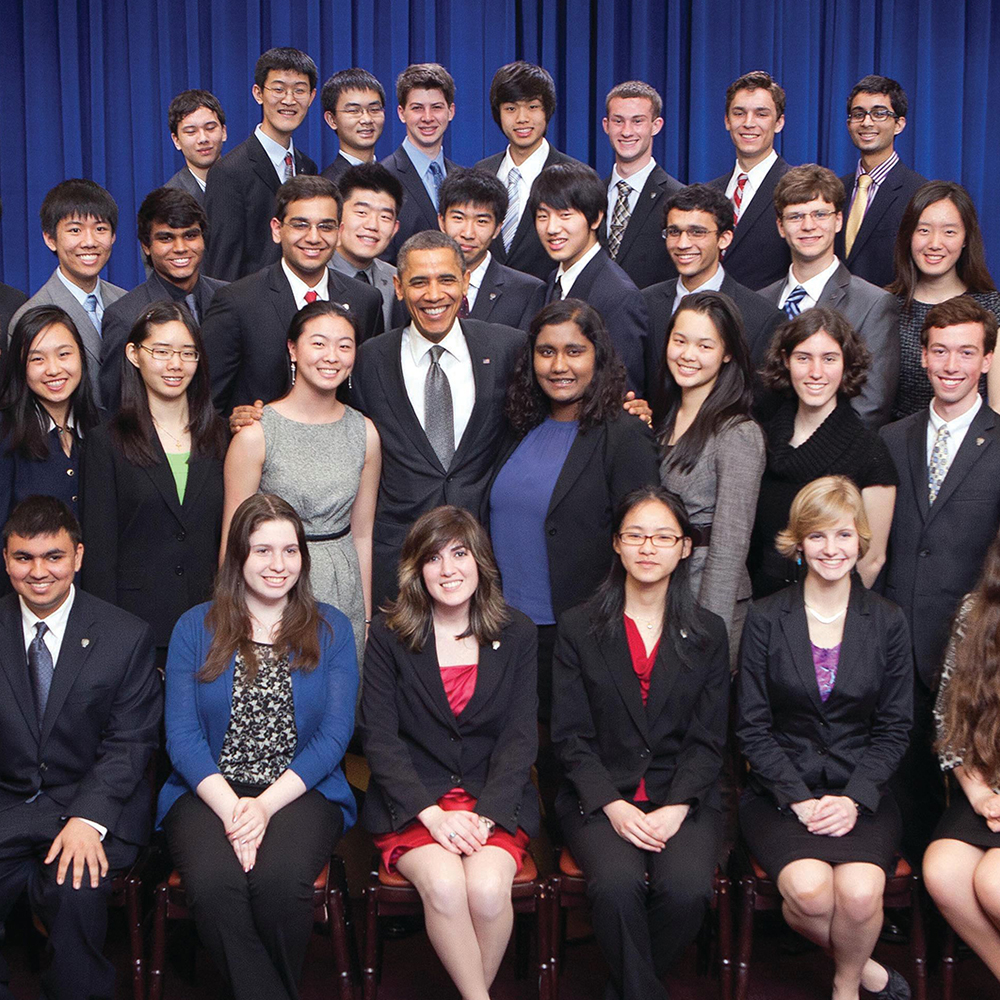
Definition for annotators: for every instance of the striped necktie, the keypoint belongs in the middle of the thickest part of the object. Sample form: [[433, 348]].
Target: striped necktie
[[792, 303], [511, 219]]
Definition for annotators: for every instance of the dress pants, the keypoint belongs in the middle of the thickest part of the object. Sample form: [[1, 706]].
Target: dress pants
[[256, 924], [642, 930], [76, 919]]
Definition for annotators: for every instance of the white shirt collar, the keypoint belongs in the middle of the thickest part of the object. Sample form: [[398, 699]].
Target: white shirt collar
[[56, 622], [957, 424], [78, 293], [567, 276], [814, 286], [476, 276], [352, 160], [755, 174], [275, 151], [713, 284], [198, 180], [531, 167], [299, 287], [637, 181], [453, 342]]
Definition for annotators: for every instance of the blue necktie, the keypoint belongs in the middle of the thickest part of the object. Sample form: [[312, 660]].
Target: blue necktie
[[792, 309], [92, 306], [437, 176], [42, 669]]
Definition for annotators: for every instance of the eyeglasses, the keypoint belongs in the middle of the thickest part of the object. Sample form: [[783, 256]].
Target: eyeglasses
[[696, 233], [819, 215], [660, 541], [300, 92], [301, 226], [876, 114], [357, 111], [187, 354]]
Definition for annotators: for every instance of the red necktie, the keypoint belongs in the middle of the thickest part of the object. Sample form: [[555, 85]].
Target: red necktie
[[311, 297], [289, 167], [741, 183]]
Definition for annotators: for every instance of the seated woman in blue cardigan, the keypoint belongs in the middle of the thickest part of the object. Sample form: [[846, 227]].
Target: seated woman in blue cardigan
[[261, 685]]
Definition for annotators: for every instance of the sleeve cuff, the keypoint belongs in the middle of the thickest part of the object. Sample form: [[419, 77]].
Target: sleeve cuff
[[102, 830]]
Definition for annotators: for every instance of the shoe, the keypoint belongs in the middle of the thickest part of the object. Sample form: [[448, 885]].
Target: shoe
[[894, 931], [897, 988]]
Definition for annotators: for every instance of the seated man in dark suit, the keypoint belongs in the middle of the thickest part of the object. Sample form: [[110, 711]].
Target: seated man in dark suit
[[11, 299], [809, 202], [246, 325], [425, 96], [881, 187], [523, 100], [755, 113], [567, 203], [79, 720], [638, 185], [473, 203], [198, 130], [239, 196], [172, 228], [698, 221], [354, 107]]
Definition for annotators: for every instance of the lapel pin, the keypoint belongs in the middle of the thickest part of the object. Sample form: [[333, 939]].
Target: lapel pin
[[486, 361], [652, 194], [85, 643], [493, 295], [980, 441], [684, 633], [496, 643]]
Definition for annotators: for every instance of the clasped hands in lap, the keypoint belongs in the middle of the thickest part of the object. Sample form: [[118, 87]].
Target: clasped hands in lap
[[829, 816], [246, 830], [458, 831], [647, 831]]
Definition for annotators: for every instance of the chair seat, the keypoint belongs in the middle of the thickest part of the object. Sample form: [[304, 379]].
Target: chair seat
[[568, 865], [903, 869], [174, 880], [393, 880]]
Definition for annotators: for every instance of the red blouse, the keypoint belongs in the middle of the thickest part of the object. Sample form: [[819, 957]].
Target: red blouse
[[642, 664], [459, 685]]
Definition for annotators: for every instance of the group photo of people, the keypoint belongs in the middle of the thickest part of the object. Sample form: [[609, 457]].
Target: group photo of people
[[514, 521]]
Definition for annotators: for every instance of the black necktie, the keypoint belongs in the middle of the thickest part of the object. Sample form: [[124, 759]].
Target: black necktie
[[557, 291], [363, 276], [41, 667]]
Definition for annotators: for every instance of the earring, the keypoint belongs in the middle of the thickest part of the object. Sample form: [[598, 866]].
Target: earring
[[798, 555], [293, 373], [350, 384]]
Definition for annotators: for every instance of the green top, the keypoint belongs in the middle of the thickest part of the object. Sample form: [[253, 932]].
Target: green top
[[179, 468]]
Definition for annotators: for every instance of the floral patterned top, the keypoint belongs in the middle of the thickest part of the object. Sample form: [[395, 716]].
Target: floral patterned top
[[949, 757]]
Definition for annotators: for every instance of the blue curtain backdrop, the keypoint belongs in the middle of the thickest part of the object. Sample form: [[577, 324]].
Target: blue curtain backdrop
[[88, 84]]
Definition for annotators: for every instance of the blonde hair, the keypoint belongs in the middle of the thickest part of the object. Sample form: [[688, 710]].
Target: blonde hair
[[821, 504]]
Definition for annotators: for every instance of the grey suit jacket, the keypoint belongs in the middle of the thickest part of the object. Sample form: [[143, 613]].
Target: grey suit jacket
[[184, 180], [55, 293], [874, 314], [393, 311]]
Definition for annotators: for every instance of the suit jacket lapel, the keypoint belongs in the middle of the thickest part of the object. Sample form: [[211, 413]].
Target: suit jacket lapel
[[649, 197], [282, 299], [425, 664], [489, 292], [163, 480], [916, 453], [64, 298], [262, 164], [975, 444], [77, 645], [796, 631], [760, 203], [414, 185], [674, 656], [526, 224], [14, 662], [857, 638], [487, 678], [581, 454], [884, 197], [619, 662], [836, 288], [483, 372]]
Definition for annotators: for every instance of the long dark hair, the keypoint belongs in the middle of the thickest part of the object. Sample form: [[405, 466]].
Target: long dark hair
[[23, 418], [607, 605], [229, 619], [528, 406], [730, 398], [132, 427]]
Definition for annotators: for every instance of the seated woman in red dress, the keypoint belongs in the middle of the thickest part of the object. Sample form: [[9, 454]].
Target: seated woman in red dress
[[447, 716]]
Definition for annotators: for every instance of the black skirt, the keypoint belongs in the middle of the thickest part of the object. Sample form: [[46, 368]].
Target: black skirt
[[962, 822], [776, 837]]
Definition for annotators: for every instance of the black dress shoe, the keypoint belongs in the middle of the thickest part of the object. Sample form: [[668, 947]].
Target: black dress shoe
[[897, 988]]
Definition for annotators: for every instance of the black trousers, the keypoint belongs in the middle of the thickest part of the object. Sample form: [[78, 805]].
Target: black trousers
[[255, 924], [642, 930], [76, 919]]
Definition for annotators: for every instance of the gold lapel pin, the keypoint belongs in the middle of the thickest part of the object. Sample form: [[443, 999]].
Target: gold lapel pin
[[980, 441], [85, 643], [496, 643], [486, 361]]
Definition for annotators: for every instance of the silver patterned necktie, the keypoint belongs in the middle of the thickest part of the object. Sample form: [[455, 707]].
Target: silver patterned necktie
[[511, 219], [937, 469], [619, 220], [42, 669], [439, 414]]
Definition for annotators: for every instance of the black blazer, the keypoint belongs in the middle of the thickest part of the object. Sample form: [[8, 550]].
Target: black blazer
[[508, 297], [239, 203], [605, 286], [184, 180], [797, 744], [101, 723], [936, 552], [413, 479], [149, 553], [246, 330], [607, 741], [11, 299], [119, 318], [642, 253], [526, 251], [603, 466], [871, 253], [758, 255], [418, 212], [417, 750], [336, 169]]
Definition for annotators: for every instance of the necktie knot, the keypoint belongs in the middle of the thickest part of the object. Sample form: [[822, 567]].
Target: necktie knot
[[435, 352], [363, 276], [865, 182], [40, 629], [311, 296], [793, 304]]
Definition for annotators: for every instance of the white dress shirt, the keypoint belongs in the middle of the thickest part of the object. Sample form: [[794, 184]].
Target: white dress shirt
[[476, 279], [276, 152], [567, 277], [456, 362], [81, 296], [814, 286], [713, 284], [530, 170], [636, 182], [299, 287], [957, 429], [197, 179], [755, 177]]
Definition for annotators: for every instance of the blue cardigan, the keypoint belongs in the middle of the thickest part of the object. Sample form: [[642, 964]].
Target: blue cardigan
[[197, 714]]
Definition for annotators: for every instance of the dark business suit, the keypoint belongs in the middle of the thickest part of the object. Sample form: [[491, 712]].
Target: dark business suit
[[508, 297], [758, 255], [239, 202], [605, 286], [413, 480], [336, 169], [11, 299], [526, 251], [418, 750], [418, 212], [150, 554], [871, 255], [246, 330], [608, 741], [184, 180], [87, 759], [642, 253]]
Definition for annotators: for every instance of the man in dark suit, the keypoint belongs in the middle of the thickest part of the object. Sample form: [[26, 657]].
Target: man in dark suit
[[567, 203], [809, 201], [198, 130], [425, 95], [755, 113], [79, 719], [473, 204], [354, 107], [523, 100], [638, 185], [947, 513], [881, 187], [239, 196], [441, 448], [246, 324], [11, 299], [171, 226], [698, 221]]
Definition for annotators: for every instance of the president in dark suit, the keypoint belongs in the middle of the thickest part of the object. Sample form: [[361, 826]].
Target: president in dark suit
[[198, 130], [247, 322], [241, 187], [638, 186], [79, 719], [354, 107]]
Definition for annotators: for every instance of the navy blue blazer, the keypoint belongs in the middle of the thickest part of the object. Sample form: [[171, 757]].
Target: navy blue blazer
[[57, 475], [508, 297]]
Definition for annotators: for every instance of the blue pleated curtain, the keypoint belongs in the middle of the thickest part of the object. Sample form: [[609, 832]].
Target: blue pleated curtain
[[88, 83]]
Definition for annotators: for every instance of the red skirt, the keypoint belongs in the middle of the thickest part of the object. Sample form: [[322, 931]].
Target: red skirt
[[393, 846]]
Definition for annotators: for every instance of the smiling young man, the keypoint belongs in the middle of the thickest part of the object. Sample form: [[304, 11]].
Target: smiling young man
[[198, 130], [809, 203], [881, 186], [354, 107], [638, 185], [472, 208], [239, 197]]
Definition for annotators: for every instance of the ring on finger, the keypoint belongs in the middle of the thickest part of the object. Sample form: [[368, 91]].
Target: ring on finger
[[452, 835]]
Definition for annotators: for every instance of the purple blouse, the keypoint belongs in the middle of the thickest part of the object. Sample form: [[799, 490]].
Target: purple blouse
[[825, 661]]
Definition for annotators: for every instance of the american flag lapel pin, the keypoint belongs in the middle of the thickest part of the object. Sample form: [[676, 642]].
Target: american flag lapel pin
[[486, 361]]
